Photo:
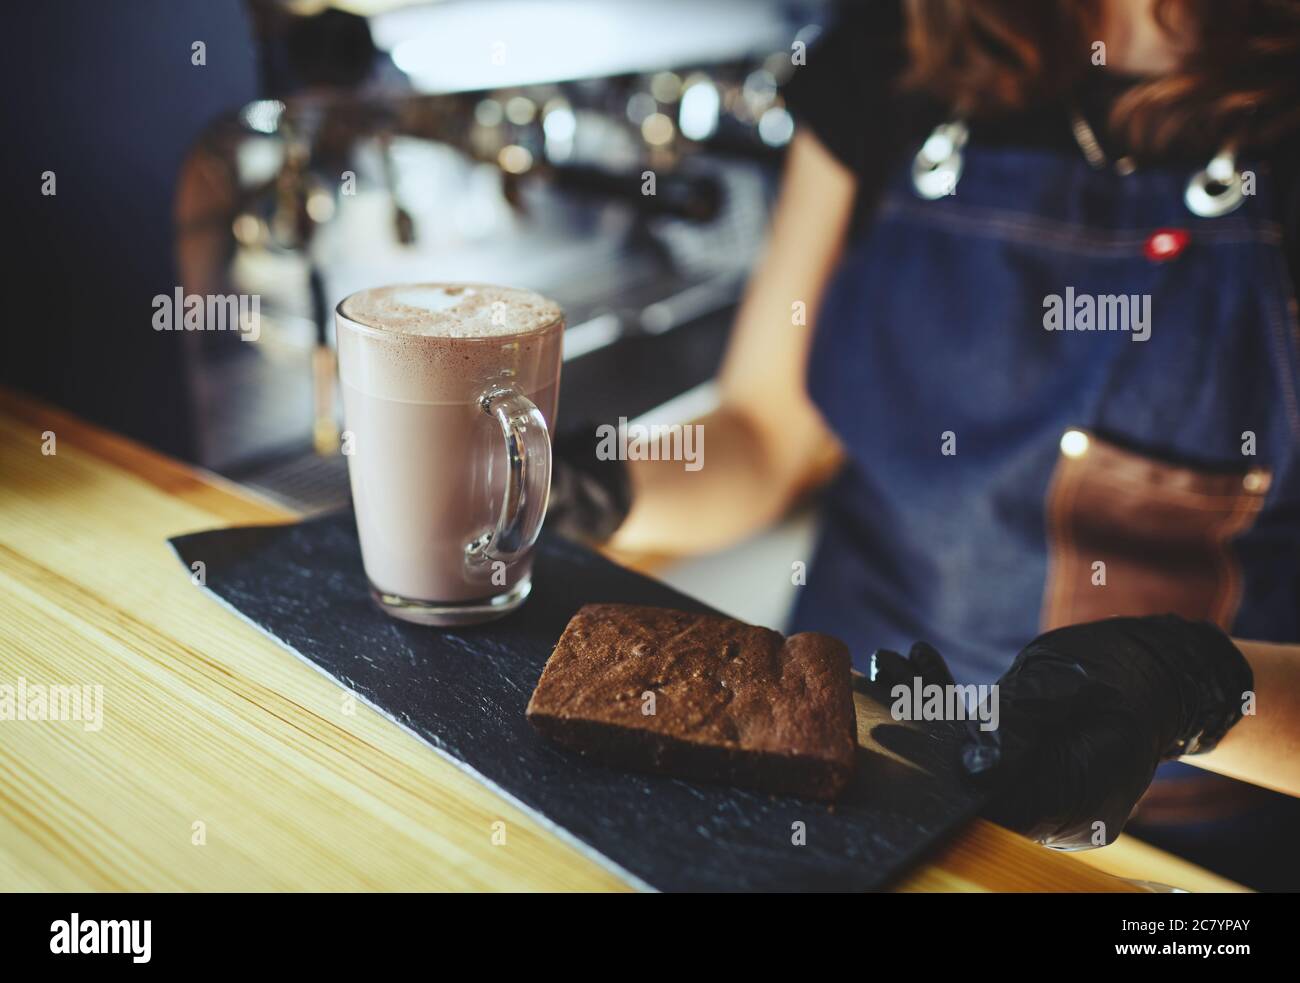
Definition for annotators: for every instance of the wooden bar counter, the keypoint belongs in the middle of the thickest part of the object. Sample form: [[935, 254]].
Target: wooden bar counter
[[226, 764]]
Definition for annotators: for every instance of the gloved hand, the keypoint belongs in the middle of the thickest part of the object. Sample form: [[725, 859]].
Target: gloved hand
[[590, 497], [1086, 713]]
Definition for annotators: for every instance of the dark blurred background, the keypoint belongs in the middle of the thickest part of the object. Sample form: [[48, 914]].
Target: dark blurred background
[[297, 150]]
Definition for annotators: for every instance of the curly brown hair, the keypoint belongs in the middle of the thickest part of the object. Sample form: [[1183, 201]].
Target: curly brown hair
[[1237, 83]]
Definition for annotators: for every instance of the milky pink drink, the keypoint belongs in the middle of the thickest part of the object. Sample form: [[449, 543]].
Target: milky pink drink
[[449, 395]]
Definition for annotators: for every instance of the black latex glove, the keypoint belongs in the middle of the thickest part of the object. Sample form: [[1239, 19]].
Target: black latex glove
[[1085, 715], [590, 497]]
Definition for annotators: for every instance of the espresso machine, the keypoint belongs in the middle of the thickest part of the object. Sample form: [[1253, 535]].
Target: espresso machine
[[619, 156]]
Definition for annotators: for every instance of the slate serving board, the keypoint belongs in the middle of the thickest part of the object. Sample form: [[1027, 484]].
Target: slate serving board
[[464, 692]]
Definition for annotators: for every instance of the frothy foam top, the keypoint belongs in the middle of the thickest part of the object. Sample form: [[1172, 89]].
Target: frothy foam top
[[451, 310]]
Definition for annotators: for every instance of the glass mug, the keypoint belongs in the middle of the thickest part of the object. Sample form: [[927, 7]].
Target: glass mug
[[449, 396]]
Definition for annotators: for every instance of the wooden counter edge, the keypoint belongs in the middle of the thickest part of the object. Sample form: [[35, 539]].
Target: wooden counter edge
[[188, 482]]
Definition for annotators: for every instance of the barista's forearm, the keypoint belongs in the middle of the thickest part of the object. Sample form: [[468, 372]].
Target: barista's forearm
[[736, 492], [1264, 746], [766, 443]]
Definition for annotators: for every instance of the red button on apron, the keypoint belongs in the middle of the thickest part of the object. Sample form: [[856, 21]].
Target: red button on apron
[[1165, 244]]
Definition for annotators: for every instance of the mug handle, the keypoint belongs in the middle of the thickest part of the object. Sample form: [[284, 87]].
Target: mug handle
[[528, 476]]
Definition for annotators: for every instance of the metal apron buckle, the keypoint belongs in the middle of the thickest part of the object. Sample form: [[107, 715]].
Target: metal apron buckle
[[1216, 190], [936, 169]]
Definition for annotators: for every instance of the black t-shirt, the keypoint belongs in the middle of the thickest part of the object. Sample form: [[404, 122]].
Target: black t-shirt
[[848, 95]]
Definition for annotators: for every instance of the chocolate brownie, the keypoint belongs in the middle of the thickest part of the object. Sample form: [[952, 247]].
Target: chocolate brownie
[[701, 697]]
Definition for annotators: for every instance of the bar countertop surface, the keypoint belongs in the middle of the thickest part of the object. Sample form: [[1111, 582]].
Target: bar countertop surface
[[226, 764]]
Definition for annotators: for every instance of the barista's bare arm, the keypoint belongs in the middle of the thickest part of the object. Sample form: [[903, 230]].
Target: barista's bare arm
[[1264, 747], [765, 443]]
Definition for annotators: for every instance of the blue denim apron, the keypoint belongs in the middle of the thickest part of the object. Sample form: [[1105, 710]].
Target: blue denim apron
[[933, 328], [931, 338]]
